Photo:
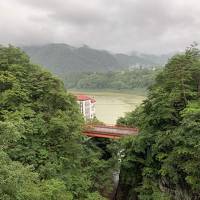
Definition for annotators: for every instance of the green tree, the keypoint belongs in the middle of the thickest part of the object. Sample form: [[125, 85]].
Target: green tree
[[162, 161], [43, 154]]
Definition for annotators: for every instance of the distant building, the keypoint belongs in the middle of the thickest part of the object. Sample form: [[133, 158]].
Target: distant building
[[87, 106]]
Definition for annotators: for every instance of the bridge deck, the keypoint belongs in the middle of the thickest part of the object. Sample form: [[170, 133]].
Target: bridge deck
[[109, 131]]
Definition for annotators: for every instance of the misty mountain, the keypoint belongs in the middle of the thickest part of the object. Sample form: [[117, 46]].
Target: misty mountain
[[62, 58]]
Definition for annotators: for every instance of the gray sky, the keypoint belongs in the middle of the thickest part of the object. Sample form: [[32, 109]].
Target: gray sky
[[149, 26]]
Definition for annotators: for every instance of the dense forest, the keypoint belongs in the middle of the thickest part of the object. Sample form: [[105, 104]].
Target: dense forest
[[162, 162], [43, 155], [140, 78]]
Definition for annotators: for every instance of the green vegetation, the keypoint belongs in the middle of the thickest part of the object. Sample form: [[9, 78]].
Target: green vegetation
[[163, 161], [122, 80], [43, 155]]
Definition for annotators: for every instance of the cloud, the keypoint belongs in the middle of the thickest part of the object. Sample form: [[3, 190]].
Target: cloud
[[153, 26]]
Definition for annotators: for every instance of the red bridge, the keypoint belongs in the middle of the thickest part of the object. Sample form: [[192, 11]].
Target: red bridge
[[107, 131]]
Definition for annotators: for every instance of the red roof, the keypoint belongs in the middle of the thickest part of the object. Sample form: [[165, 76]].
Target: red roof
[[82, 97]]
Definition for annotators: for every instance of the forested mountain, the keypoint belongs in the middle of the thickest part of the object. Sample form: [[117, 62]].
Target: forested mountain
[[63, 58], [117, 80], [162, 162]]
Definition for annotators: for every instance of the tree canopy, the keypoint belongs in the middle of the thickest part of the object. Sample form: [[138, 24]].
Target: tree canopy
[[43, 154], [126, 79], [162, 162]]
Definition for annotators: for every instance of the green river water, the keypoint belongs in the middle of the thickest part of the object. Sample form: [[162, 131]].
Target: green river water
[[112, 105]]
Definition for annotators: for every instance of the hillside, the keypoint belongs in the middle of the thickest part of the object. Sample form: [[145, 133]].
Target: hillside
[[161, 162], [61, 58], [43, 154]]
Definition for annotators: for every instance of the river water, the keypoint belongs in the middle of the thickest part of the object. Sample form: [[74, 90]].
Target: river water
[[112, 105]]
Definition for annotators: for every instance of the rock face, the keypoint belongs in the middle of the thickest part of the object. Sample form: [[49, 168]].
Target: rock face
[[61, 58], [122, 191]]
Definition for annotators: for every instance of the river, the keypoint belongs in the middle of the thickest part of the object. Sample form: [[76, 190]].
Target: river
[[112, 105]]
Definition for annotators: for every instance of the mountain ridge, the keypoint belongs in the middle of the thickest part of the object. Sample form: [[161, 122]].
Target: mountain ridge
[[63, 58]]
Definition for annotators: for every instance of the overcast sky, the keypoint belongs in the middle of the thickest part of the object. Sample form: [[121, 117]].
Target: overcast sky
[[149, 26]]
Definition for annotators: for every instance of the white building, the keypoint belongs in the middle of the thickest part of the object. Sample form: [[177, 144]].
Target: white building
[[87, 106]]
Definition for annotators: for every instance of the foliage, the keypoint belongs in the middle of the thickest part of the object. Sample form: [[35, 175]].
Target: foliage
[[162, 162], [93, 121], [127, 79], [42, 152]]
